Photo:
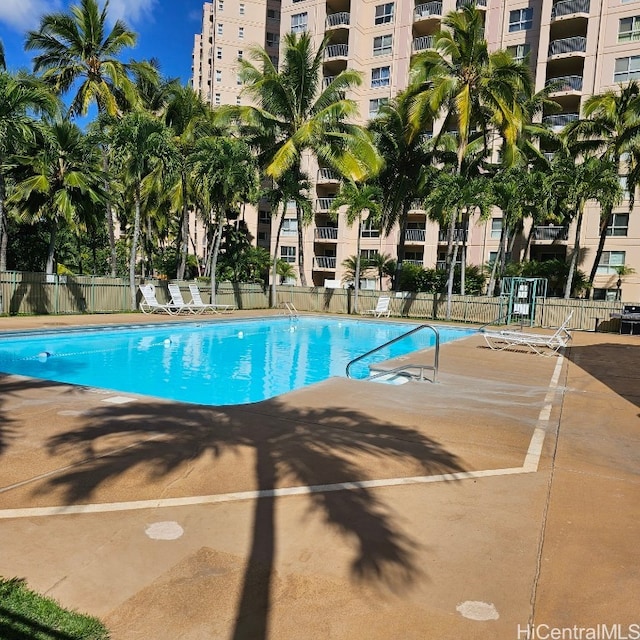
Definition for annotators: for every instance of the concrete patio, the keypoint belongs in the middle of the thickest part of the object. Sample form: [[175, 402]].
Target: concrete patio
[[501, 501]]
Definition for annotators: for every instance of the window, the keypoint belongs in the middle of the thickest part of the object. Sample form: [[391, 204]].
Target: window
[[240, 54], [240, 33], [264, 217], [381, 77], [609, 261], [619, 225], [520, 52], [624, 183], [382, 45], [298, 22], [520, 19], [290, 227], [238, 100], [368, 283], [273, 39], [220, 28], [375, 104], [218, 99], [368, 230], [220, 5], [262, 236], [218, 75], [610, 295], [627, 69], [629, 29], [368, 254], [493, 255], [384, 13], [241, 8], [288, 254], [273, 14], [238, 79], [218, 53], [496, 228]]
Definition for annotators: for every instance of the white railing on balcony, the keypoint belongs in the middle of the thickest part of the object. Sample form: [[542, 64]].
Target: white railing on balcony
[[560, 119], [338, 19], [428, 10], [549, 155], [324, 262], [327, 80], [414, 235], [423, 43], [565, 83], [550, 232], [326, 233], [327, 175], [567, 7], [568, 45], [336, 51], [477, 3], [416, 205], [324, 204], [459, 235], [419, 263]]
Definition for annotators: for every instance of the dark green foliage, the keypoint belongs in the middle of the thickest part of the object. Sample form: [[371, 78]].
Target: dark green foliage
[[25, 614], [556, 273], [415, 278]]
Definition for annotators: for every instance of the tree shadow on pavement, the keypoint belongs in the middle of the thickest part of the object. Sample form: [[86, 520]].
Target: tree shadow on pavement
[[291, 447]]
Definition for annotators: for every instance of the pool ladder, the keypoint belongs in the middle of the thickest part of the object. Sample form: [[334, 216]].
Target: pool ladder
[[406, 368], [289, 309]]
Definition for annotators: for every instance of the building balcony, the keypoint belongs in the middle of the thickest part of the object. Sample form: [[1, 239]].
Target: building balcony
[[565, 84], [418, 263], [324, 263], [550, 232], [327, 176], [479, 4], [324, 204], [416, 205], [459, 235], [334, 51], [568, 46], [326, 234], [569, 8], [559, 120], [422, 43], [548, 155], [327, 80], [337, 20], [427, 11], [415, 235]]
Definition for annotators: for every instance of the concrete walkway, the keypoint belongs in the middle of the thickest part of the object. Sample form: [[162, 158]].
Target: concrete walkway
[[501, 500]]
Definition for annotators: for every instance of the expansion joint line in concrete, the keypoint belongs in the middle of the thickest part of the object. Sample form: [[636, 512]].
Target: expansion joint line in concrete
[[530, 465]]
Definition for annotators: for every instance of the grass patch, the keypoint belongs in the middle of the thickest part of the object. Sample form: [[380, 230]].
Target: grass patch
[[26, 615]]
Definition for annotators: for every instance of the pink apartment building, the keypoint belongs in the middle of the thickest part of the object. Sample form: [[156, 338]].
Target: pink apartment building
[[584, 46]]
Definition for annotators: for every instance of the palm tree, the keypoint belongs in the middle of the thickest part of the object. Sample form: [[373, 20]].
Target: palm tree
[[384, 265], [573, 184], [143, 147], [293, 116], [610, 128], [63, 182], [3, 62], [354, 269], [358, 198], [477, 92], [20, 97]]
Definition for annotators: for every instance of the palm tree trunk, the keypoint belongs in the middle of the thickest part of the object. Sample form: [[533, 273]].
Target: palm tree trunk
[[303, 277], [463, 259], [184, 239], [401, 243], [452, 252], [356, 284], [450, 281], [604, 225], [214, 257], [4, 239], [576, 253], [52, 247], [134, 248], [494, 269], [274, 269], [109, 216]]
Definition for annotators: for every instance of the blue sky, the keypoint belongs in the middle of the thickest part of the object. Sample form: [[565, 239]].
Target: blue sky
[[165, 29]]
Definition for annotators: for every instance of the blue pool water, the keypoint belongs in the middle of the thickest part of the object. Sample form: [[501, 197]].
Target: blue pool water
[[215, 363]]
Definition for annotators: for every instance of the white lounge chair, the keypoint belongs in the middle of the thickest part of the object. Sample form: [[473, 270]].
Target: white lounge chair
[[196, 301], [382, 308], [150, 304], [542, 344], [178, 301]]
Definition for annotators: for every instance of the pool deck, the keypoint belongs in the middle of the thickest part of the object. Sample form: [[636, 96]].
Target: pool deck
[[503, 498]]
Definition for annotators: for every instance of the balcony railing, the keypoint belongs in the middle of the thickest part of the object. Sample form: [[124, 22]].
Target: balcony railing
[[327, 175], [327, 80], [419, 263], [414, 235], [324, 262], [416, 205], [567, 7], [336, 51], [338, 19], [423, 43], [576, 44], [550, 233], [549, 155], [565, 83], [560, 119], [324, 204], [326, 233], [428, 10], [459, 235], [477, 3]]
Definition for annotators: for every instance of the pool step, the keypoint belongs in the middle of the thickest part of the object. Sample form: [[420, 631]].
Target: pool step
[[391, 378]]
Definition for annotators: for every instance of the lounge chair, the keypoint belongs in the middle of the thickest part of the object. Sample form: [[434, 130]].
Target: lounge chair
[[150, 304], [542, 344], [196, 301], [178, 302], [382, 308]]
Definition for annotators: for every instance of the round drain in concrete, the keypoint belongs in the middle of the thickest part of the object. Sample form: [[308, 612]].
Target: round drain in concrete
[[164, 531], [475, 610]]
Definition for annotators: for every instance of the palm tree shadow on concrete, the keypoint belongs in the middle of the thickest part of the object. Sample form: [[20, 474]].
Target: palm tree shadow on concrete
[[291, 447]]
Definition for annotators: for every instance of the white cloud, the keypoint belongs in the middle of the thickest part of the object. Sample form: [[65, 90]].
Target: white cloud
[[26, 14], [129, 10]]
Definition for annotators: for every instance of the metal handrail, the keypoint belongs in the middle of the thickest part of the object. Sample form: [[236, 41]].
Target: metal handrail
[[433, 367]]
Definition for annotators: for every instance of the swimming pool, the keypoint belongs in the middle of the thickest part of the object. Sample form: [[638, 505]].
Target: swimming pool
[[214, 363]]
